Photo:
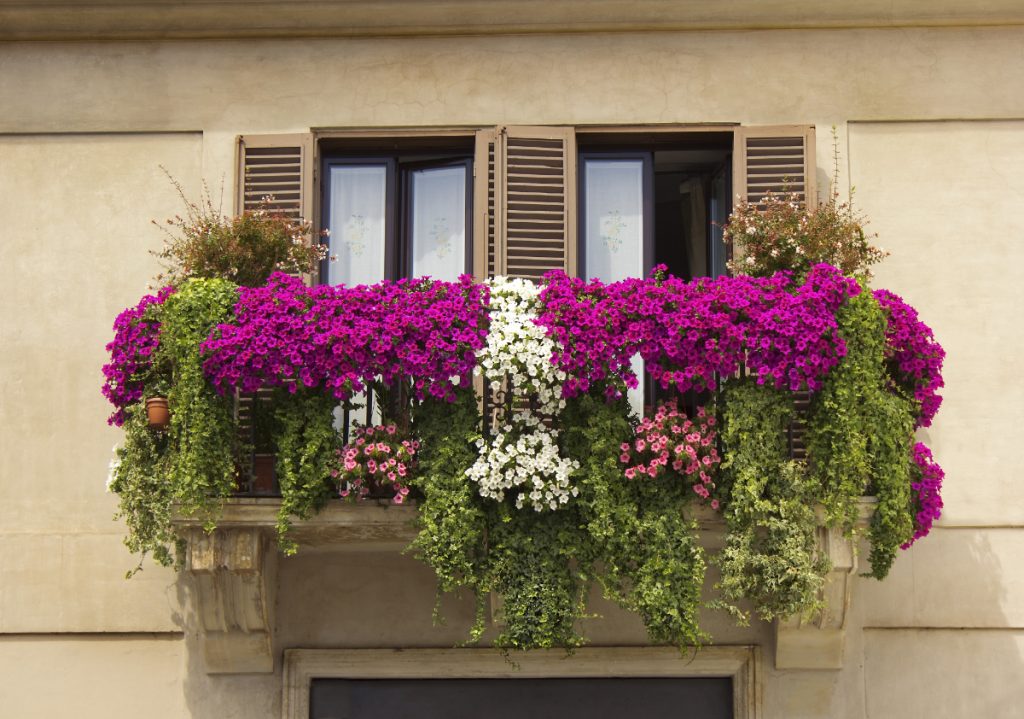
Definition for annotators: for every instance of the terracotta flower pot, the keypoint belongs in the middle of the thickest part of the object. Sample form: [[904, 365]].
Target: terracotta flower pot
[[158, 413]]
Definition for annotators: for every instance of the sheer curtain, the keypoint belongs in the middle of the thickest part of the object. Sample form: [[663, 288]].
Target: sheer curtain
[[439, 222], [358, 200], [614, 236]]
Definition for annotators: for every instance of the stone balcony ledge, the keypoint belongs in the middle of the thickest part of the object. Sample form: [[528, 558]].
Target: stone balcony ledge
[[234, 569]]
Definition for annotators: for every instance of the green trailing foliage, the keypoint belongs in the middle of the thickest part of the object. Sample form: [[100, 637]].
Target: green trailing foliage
[[451, 519], [890, 444], [641, 548], [769, 556], [534, 563], [631, 537], [138, 475], [306, 441], [203, 440], [191, 466], [837, 437], [859, 435]]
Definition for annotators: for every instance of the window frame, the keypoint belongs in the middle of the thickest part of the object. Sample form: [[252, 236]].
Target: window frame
[[397, 240], [390, 240], [741, 663]]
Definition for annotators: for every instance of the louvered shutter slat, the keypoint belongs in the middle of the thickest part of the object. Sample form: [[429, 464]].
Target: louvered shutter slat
[[536, 220], [279, 167], [774, 159]]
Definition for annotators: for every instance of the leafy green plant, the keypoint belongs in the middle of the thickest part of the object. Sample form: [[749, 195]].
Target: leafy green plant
[[306, 446], [203, 446], [859, 434], [769, 556], [139, 477], [451, 517], [639, 545], [245, 249]]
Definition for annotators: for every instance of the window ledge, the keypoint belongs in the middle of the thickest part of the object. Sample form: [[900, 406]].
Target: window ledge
[[234, 569]]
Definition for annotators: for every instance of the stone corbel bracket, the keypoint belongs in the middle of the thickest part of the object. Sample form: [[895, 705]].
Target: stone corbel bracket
[[818, 643], [234, 575], [234, 570]]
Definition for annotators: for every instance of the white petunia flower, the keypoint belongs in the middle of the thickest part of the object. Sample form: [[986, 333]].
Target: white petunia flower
[[522, 452]]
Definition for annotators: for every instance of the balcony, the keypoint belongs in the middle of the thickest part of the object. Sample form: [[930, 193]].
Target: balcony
[[504, 411]]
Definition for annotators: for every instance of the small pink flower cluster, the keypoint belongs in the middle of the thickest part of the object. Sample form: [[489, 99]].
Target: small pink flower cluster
[[670, 443], [378, 460], [916, 355], [136, 337], [925, 492]]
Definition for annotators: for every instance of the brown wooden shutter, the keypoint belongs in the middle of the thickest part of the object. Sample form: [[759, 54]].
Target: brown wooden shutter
[[485, 193], [277, 166], [280, 167], [528, 190], [774, 159]]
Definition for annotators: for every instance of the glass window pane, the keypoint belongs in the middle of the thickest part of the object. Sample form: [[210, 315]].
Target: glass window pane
[[439, 222], [356, 223], [614, 225], [613, 196]]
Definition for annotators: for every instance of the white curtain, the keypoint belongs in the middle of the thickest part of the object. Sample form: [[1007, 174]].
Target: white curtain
[[439, 222], [356, 224], [614, 235], [614, 197]]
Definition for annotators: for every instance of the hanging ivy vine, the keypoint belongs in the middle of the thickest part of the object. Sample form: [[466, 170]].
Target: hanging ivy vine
[[769, 556], [306, 441], [138, 476], [859, 436], [203, 438]]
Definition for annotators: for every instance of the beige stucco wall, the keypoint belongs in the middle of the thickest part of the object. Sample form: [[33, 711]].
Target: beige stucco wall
[[85, 127]]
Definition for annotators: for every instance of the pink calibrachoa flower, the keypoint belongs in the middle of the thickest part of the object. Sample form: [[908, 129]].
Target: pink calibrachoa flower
[[690, 454], [378, 460], [136, 338], [926, 491]]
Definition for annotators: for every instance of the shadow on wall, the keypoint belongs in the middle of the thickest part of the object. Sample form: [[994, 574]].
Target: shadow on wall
[[947, 639], [222, 696]]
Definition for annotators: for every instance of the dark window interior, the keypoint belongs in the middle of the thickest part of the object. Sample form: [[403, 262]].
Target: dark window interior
[[597, 698], [691, 187]]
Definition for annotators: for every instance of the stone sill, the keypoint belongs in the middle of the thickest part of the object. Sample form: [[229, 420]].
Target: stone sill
[[381, 526], [234, 569]]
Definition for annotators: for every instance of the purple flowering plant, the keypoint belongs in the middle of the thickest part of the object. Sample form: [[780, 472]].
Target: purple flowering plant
[[343, 339], [914, 355], [925, 491], [131, 366], [688, 333]]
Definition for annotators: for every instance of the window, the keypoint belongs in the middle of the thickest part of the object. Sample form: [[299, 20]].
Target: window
[[526, 193], [645, 200], [407, 213]]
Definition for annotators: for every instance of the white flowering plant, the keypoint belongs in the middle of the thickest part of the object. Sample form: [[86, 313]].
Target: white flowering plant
[[520, 455]]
